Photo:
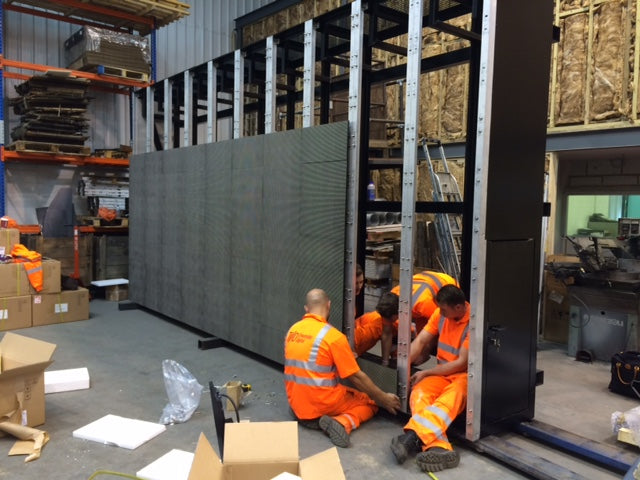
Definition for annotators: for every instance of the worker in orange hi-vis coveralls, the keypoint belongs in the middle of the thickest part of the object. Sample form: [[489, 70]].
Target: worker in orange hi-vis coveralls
[[317, 355], [424, 288], [439, 393]]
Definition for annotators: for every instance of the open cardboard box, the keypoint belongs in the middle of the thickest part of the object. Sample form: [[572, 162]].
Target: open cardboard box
[[23, 361], [261, 451]]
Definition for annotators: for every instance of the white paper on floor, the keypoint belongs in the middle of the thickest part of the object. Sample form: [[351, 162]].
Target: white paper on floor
[[120, 431], [174, 465], [66, 380]]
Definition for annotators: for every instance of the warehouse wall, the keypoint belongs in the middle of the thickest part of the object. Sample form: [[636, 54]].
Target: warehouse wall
[[205, 34]]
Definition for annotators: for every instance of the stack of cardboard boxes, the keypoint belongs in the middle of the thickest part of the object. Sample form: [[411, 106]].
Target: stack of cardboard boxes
[[21, 306]]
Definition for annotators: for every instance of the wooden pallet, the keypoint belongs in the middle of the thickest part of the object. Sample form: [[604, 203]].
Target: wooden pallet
[[101, 222], [122, 152], [52, 148], [110, 71]]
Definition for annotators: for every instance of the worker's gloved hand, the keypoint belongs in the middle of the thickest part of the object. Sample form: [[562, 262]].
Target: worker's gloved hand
[[391, 403]]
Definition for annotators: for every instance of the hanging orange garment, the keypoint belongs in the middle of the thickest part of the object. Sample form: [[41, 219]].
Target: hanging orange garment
[[32, 264]]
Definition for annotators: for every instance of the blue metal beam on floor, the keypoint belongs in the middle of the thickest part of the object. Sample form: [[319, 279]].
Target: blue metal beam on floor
[[601, 453], [524, 461]]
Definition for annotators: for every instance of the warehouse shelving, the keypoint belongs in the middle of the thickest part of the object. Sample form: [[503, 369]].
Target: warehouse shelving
[[142, 16]]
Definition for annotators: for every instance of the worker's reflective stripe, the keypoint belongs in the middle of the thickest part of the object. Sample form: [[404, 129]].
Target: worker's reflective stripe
[[433, 277], [423, 286], [445, 346], [314, 367], [313, 356], [312, 382], [437, 431], [351, 420], [438, 412]]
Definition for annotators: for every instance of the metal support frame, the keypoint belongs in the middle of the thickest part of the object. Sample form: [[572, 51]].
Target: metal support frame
[[150, 124], [168, 111], [410, 159], [270, 90], [478, 235], [187, 113], [353, 167], [309, 79], [238, 94], [212, 103], [2, 180]]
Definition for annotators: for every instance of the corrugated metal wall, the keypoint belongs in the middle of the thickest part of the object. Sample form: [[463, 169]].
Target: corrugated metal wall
[[205, 34]]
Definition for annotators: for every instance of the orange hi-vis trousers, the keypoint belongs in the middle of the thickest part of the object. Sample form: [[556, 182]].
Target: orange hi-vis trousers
[[355, 408], [435, 402]]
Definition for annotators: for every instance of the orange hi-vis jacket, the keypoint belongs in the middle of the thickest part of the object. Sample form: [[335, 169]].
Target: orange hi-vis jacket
[[316, 356], [437, 400], [423, 291], [32, 264]]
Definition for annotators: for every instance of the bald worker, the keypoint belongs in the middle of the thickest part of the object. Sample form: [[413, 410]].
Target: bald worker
[[317, 355]]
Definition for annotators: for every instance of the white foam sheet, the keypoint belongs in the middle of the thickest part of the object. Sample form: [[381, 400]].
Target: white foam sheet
[[119, 431], [173, 465], [66, 380], [110, 283]]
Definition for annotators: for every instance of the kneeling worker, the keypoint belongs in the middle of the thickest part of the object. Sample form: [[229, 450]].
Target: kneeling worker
[[317, 355], [439, 394]]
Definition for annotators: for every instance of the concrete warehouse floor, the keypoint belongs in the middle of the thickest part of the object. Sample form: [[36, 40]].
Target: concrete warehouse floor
[[123, 351]]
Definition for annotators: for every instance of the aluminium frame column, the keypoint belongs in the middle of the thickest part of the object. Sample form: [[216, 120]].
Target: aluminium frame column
[[270, 90], [410, 159], [168, 113], [353, 166], [212, 102], [187, 114], [150, 124], [309, 75], [238, 94]]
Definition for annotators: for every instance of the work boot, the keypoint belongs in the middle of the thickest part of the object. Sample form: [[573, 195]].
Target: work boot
[[404, 445], [335, 431], [436, 459]]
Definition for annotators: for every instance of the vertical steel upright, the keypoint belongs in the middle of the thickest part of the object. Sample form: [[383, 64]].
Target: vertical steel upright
[[410, 159], [353, 166], [187, 114], [2, 200], [168, 114], [212, 102], [271, 62], [150, 125], [238, 94], [309, 75]]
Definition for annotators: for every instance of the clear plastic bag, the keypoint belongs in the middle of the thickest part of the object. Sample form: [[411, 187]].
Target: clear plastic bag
[[183, 391]]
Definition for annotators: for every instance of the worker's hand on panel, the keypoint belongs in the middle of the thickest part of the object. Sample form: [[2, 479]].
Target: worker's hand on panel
[[391, 402]]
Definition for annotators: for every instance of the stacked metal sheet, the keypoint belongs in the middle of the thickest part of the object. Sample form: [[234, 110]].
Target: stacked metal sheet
[[52, 109], [121, 54]]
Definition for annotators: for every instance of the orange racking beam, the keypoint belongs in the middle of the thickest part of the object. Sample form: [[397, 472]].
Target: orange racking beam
[[60, 17], [77, 73], [105, 11], [68, 159]]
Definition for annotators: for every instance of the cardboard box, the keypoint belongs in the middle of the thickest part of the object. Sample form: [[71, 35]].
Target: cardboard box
[[66, 306], [555, 309], [234, 394], [8, 238], [14, 281], [22, 378], [261, 451], [15, 312]]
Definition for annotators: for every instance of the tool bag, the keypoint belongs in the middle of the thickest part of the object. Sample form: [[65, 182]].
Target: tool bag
[[625, 374]]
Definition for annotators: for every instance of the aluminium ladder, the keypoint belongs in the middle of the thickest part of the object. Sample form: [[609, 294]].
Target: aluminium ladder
[[448, 225]]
